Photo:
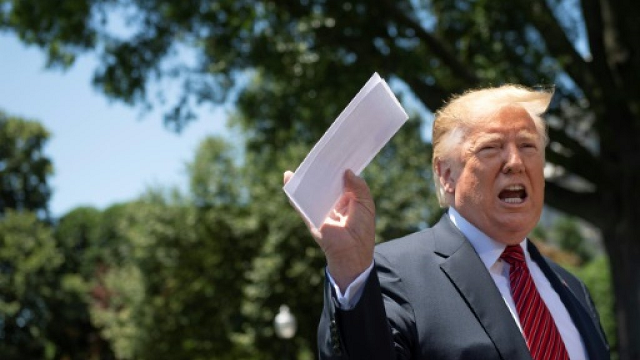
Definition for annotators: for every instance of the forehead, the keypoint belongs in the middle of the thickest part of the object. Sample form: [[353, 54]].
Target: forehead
[[512, 120]]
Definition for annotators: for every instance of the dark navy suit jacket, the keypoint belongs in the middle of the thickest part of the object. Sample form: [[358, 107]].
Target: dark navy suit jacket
[[431, 297]]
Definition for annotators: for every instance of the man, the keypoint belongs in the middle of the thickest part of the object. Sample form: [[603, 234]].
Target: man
[[472, 286]]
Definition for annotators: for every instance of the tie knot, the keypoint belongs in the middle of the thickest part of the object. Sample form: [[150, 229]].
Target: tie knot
[[513, 254]]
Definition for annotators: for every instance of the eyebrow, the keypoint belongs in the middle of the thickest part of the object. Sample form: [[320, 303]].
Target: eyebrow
[[527, 135], [488, 137], [495, 136]]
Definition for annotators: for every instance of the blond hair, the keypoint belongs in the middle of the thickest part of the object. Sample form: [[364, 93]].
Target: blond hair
[[457, 117]]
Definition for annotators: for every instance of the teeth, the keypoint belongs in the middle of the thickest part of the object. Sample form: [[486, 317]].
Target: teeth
[[515, 187], [513, 200]]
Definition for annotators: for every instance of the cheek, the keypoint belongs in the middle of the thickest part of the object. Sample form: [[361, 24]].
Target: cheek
[[537, 176], [539, 189], [483, 176], [473, 184]]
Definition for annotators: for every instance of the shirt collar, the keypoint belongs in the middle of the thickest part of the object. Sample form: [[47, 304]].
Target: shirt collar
[[488, 249]]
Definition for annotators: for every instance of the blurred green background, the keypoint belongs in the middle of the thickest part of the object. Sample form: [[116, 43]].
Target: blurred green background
[[201, 273]]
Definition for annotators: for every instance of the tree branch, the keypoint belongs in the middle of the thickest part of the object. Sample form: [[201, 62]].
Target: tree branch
[[437, 47], [572, 166], [580, 162], [582, 204], [613, 27], [560, 47], [621, 20], [431, 95], [592, 13]]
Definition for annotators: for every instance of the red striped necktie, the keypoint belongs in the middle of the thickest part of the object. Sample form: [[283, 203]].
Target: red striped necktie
[[540, 331]]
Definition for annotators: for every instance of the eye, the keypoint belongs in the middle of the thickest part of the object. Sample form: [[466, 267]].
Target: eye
[[489, 148]]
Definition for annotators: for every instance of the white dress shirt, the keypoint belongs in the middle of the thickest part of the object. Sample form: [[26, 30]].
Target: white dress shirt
[[489, 252]]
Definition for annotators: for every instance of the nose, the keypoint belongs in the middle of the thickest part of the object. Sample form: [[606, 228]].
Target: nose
[[513, 161]]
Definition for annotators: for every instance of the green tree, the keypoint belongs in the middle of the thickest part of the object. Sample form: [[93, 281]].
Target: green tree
[[45, 272], [567, 232], [214, 175], [77, 238], [29, 262], [42, 298], [24, 168], [597, 276], [310, 54], [173, 277]]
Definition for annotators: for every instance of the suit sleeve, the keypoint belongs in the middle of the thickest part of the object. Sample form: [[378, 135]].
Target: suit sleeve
[[379, 327]]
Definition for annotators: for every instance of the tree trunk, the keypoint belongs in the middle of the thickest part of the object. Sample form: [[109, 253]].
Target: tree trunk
[[622, 240], [624, 251]]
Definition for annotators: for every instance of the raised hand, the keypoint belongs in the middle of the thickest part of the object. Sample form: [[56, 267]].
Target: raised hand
[[347, 236]]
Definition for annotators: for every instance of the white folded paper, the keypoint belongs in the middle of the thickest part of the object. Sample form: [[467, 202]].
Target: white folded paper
[[372, 117]]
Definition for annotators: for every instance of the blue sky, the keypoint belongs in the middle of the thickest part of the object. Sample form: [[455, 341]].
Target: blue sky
[[103, 152]]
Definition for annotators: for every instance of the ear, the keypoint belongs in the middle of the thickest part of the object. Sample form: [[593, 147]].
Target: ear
[[445, 176]]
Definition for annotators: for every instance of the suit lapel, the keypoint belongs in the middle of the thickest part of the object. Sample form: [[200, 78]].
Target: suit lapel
[[468, 274], [592, 338]]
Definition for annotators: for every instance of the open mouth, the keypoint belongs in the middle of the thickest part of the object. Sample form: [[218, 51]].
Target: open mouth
[[513, 194]]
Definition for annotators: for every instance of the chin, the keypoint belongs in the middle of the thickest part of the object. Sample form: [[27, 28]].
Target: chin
[[517, 224]]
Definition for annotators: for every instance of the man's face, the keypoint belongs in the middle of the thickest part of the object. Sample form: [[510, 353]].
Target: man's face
[[497, 182]]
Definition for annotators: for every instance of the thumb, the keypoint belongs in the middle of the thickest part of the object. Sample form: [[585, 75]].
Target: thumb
[[287, 176]]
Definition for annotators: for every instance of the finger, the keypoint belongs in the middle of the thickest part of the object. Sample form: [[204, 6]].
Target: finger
[[333, 215], [314, 231], [287, 176], [356, 185], [342, 204]]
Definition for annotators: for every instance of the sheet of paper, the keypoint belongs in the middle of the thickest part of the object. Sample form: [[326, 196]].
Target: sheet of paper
[[372, 117]]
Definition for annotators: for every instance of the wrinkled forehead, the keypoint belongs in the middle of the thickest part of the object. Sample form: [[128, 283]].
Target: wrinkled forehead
[[513, 119]]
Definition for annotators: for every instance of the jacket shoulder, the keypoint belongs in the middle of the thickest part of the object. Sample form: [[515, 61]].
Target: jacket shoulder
[[410, 244]]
